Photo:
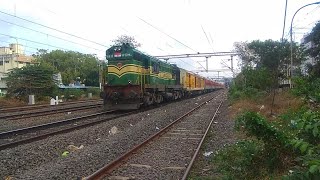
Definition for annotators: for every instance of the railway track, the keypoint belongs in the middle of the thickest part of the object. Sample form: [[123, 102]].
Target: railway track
[[13, 138], [46, 111], [168, 154], [31, 107]]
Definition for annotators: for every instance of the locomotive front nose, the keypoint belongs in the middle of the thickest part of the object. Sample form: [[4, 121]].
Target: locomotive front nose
[[115, 95]]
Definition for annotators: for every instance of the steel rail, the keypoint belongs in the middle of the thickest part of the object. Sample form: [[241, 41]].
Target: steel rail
[[29, 107], [46, 112], [51, 124], [104, 171], [43, 136], [200, 144]]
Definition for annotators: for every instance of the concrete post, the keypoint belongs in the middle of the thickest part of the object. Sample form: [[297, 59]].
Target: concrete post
[[31, 100], [89, 95], [52, 102]]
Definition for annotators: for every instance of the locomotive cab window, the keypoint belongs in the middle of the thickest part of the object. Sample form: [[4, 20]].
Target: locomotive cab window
[[156, 67]]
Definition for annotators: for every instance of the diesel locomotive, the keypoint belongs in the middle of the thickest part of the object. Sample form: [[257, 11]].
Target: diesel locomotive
[[135, 79]]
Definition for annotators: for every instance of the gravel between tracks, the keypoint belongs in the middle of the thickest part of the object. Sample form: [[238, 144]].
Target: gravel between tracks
[[167, 157], [221, 134], [43, 159], [61, 106], [7, 125]]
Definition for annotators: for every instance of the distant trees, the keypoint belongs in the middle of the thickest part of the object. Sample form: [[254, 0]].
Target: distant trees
[[314, 36], [126, 39], [72, 65], [269, 54], [262, 64], [314, 51], [34, 79]]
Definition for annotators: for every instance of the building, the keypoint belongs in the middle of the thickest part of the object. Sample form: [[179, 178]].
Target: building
[[11, 57], [308, 44]]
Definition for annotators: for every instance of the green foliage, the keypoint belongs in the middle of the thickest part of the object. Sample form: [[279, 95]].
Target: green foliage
[[307, 87], [72, 65], [33, 79], [241, 160], [269, 54], [307, 144], [72, 94], [297, 142], [274, 140], [256, 125], [251, 83], [125, 39], [94, 91], [314, 37]]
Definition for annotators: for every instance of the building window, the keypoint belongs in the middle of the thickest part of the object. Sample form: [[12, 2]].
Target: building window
[[1, 63], [7, 61], [20, 62]]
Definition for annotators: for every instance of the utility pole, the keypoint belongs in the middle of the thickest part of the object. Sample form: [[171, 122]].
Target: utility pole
[[232, 66], [207, 63], [291, 43]]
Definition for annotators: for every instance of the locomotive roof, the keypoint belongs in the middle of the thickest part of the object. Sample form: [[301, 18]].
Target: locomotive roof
[[127, 46]]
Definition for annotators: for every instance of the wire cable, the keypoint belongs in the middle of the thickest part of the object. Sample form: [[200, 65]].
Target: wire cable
[[39, 24], [22, 45], [35, 42], [206, 37], [167, 34], [49, 35]]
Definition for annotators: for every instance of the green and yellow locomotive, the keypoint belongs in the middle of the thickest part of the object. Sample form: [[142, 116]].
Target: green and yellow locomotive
[[135, 79]]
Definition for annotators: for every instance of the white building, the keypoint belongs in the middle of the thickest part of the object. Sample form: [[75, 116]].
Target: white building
[[11, 57], [307, 43]]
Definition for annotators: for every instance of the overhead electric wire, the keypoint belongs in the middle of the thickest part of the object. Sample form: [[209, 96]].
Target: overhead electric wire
[[284, 21], [123, 28], [60, 31], [206, 37], [167, 34], [22, 45], [178, 58], [304, 18], [31, 52], [49, 35], [211, 40], [35, 42], [281, 44], [171, 38]]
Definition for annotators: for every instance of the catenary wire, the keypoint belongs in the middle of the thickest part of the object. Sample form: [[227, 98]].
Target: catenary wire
[[60, 31], [50, 35]]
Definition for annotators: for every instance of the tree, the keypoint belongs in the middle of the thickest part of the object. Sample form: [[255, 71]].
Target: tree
[[32, 79], [72, 65], [269, 54], [126, 39], [314, 51], [314, 37]]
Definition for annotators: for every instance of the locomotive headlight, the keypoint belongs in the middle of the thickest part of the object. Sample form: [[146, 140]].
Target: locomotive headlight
[[129, 82]]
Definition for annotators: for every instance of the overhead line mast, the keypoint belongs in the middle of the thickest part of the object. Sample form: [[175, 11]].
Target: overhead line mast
[[206, 55]]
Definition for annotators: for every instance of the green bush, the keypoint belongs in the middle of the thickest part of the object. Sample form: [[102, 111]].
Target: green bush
[[241, 160], [251, 83], [72, 94], [307, 87], [94, 91]]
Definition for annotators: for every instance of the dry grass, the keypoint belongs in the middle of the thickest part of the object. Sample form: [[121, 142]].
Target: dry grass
[[283, 102], [10, 102]]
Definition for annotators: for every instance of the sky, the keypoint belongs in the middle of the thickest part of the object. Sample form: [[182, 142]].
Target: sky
[[163, 27]]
